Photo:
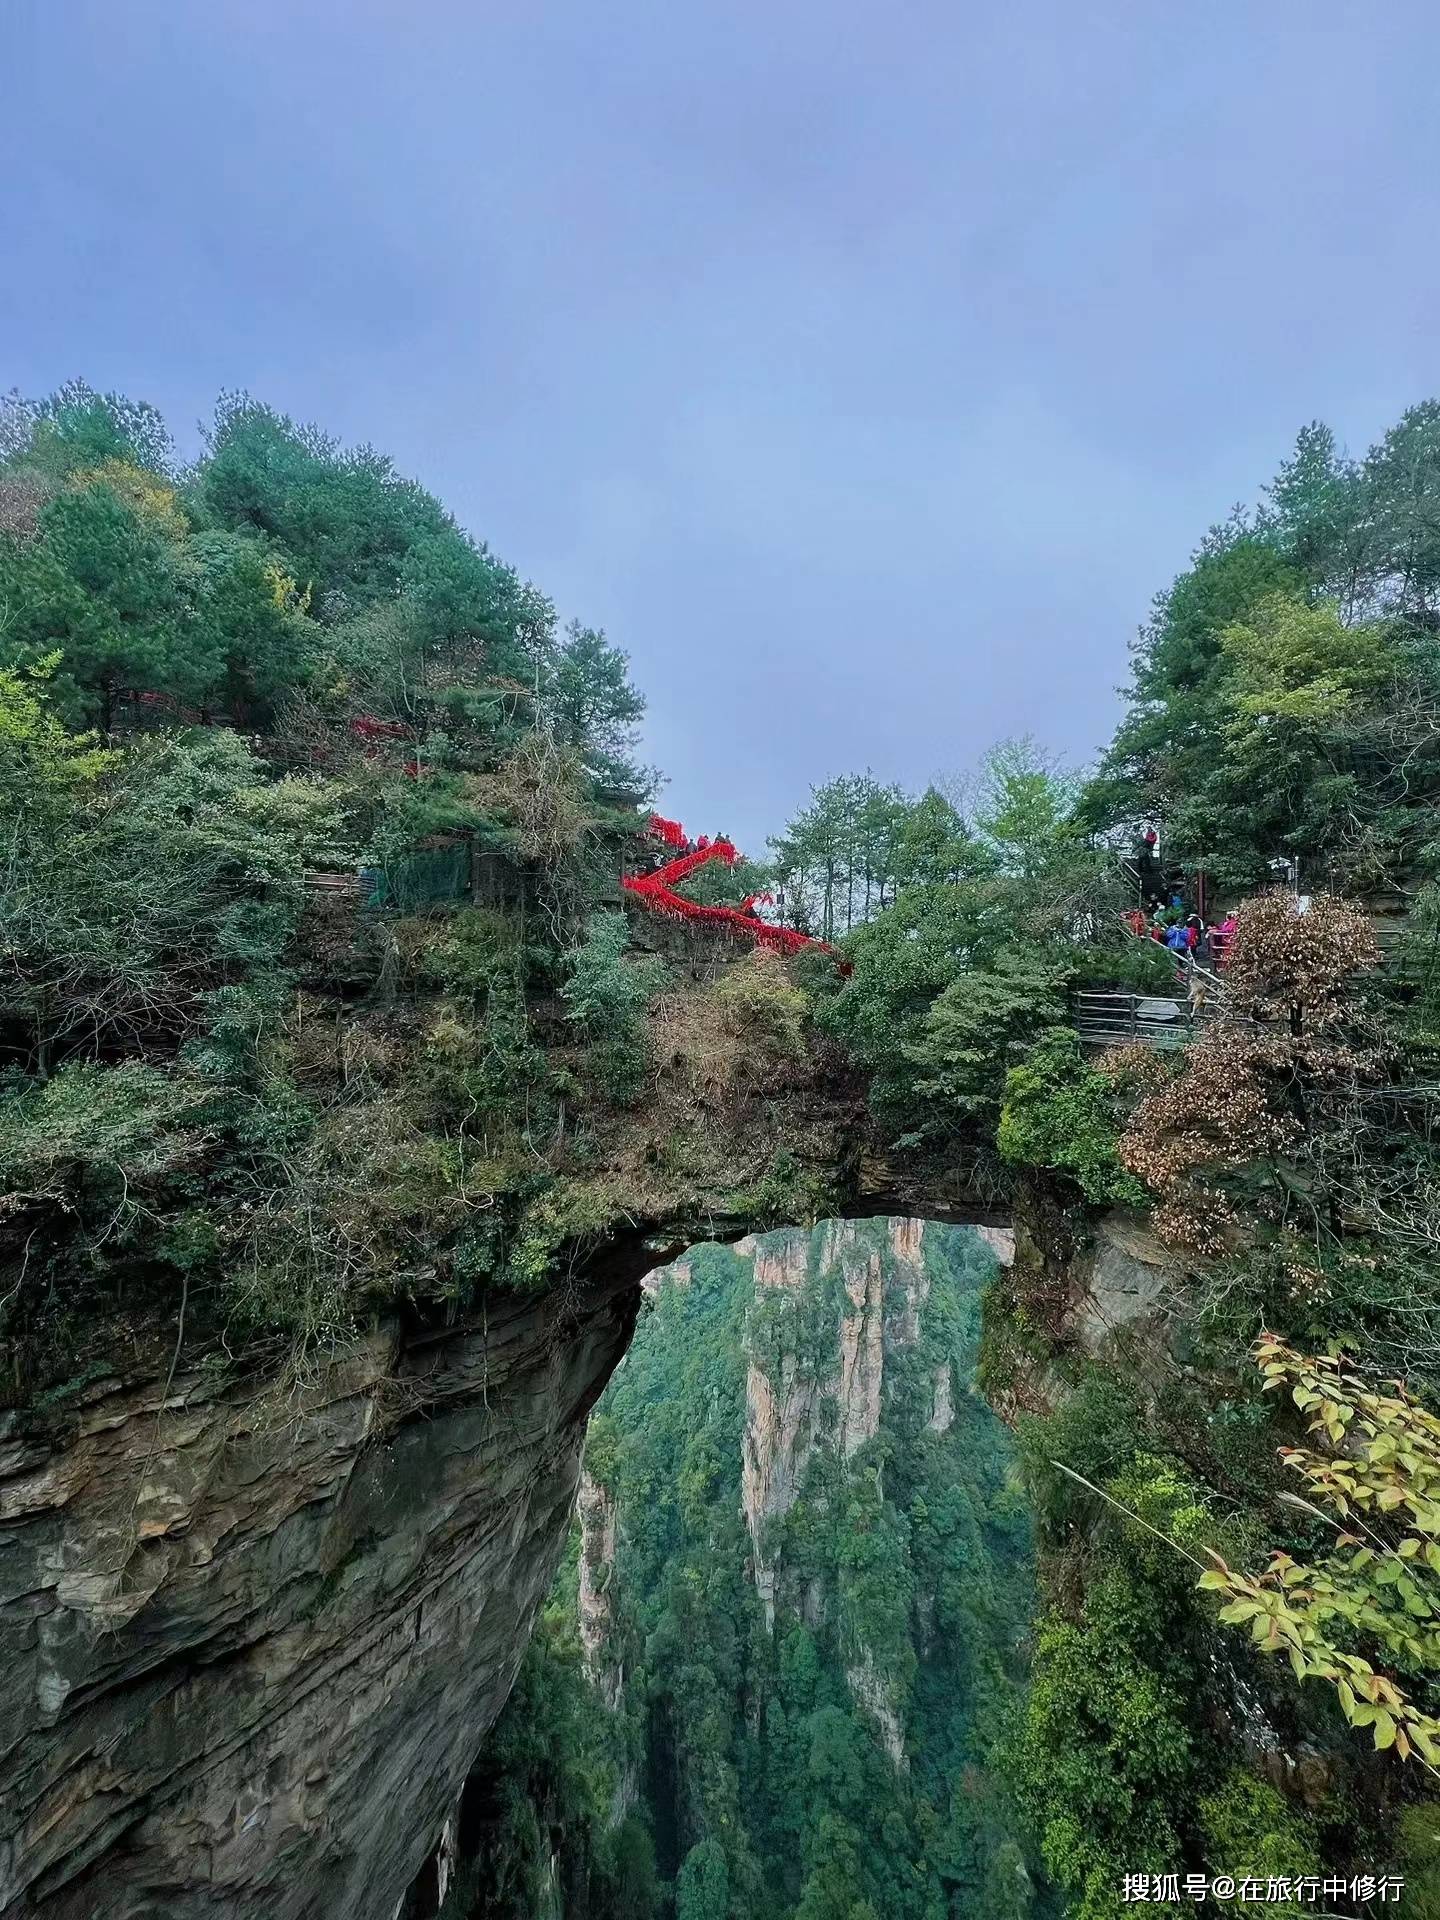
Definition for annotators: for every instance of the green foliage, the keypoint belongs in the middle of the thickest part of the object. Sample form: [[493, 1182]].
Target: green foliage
[[932, 845], [554, 1764], [1024, 810], [346, 521], [963, 952], [764, 1009], [1284, 689], [297, 666], [606, 996], [566, 1213], [75, 428], [135, 885], [41, 764], [1118, 1758], [1376, 1588], [702, 1892], [970, 1029], [1106, 1757], [596, 708], [900, 963], [1251, 1832], [1417, 1857], [840, 859], [115, 1130], [99, 587], [1060, 1113], [786, 1190]]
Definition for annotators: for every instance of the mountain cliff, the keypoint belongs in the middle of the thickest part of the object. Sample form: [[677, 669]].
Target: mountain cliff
[[252, 1644]]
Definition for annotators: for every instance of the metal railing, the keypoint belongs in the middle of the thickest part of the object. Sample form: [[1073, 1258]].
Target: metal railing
[[1146, 1019]]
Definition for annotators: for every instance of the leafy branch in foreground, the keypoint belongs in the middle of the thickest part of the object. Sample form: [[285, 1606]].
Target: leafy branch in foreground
[[1379, 1471]]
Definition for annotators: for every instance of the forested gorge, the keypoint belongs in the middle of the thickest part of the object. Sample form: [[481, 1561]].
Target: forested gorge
[[320, 1002], [775, 1677]]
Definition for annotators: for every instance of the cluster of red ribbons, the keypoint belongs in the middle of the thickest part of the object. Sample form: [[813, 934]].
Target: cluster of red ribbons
[[657, 890], [670, 831]]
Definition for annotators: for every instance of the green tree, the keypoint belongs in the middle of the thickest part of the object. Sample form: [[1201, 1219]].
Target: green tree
[[962, 1053], [702, 1891], [1060, 1113], [100, 588], [594, 704], [1024, 810], [605, 996], [345, 521], [76, 428]]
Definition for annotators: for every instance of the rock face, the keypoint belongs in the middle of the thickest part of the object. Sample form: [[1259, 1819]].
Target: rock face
[[789, 1400], [869, 1690], [251, 1649], [796, 1401], [1118, 1282], [595, 1510]]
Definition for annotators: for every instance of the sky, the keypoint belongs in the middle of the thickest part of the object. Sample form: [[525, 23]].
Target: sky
[[862, 369]]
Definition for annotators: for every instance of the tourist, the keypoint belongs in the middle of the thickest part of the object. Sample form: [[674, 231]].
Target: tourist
[[1148, 863]]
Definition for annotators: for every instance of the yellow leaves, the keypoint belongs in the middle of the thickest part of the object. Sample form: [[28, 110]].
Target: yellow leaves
[[1371, 1582], [285, 590], [148, 496]]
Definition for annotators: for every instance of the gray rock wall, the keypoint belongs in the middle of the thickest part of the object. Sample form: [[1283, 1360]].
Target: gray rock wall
[[250, 1649]]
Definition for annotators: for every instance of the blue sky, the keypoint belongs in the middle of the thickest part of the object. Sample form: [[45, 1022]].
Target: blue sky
[[862, 369]]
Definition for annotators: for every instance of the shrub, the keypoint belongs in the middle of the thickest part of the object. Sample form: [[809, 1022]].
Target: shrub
[[1251, 1833], [605, 997], [760, 1005], [1060, 1113]]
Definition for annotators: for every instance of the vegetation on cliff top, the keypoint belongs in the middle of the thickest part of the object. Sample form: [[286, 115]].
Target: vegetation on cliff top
[[311, 811]]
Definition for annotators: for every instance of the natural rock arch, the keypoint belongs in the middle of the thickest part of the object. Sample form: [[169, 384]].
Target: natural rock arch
[[253, 1652]]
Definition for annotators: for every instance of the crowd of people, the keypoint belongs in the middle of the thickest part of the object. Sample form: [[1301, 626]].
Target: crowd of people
[[1165, 917], [1185, 934]]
